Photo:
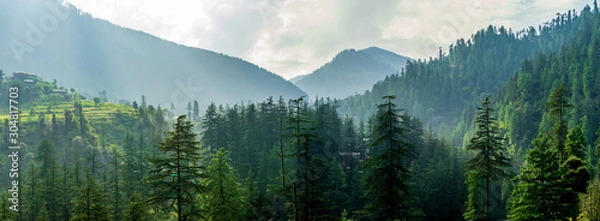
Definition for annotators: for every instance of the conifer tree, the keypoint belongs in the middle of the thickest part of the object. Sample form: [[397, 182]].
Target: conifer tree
[[223, 201], [590, 204], [136, 210], [5, 212], [557, 106], [537, 195], [116, 182], [385, 174], [196, 110], [89, 202], [210, 125], [175, 175], [575, 144], [48, 174], [489, 162]]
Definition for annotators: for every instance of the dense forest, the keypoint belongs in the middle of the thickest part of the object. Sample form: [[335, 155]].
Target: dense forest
[[506, 125]]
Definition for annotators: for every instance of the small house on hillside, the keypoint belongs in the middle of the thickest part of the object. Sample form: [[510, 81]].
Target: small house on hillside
[[25, 77]]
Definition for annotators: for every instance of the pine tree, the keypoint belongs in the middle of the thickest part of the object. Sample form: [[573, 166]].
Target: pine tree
[[116, 182], [474, 199], [537, 195], [48, 173], [489, 162], [5, 212], [308, 186], [175, 175], [89, 202], [129, 167], [65, 189], [189, 110], [210, 124], [32, 203], [385, 174], [575, 173], [575, 144], [223, 201], [590, 203], [196, 110], [136, 210], [557, 106], [282, 114]]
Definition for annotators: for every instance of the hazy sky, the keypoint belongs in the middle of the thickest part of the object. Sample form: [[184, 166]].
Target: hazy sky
[[291, 37]]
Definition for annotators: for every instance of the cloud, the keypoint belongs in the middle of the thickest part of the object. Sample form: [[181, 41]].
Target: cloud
[[291, 37]]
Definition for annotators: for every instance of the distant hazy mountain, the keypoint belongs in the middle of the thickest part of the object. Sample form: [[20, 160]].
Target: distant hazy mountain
[[295, 80], [351, 72], [59, 42]]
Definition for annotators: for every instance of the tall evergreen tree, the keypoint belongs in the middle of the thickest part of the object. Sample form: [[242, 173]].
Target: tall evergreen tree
[[175, 175], [89, 202], [196, 110], [210, 136], [590, 204], [489, 162], [537, 195], [575, 144], [558, 105], [136, 210], [65, 188], [116, 182], [5, 212], [385, 173], [48, 173], [223, 201], [189, 110]]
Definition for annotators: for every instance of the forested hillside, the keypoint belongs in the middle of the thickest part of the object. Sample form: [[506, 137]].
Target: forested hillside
[[93, 55], [504, 126], [437, 90]]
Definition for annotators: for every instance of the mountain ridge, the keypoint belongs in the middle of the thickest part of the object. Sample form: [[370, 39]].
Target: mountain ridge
[[350, 72], [85, 52]]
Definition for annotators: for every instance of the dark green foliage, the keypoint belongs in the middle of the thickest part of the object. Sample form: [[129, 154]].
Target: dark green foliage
[[575, 144], [223, 199], [175, 175], [5, 212], [89, 202], [539, 189], [385, 173], [308, 187], [558, 105], [438, 183], [575, 177], [489, 163], [475, 200], [316, 166], [48, 174], [136, 210], [590, 204]]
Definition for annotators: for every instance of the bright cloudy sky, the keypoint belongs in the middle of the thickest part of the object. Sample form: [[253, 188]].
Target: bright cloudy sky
[[292, 37]]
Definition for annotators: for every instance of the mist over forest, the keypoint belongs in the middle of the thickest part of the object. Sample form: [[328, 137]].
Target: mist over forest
[[102, 122]]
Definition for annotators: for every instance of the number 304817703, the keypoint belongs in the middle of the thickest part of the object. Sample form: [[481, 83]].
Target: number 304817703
[[13, 109]]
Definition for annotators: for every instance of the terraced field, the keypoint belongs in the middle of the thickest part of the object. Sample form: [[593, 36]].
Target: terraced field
[[92, 112]]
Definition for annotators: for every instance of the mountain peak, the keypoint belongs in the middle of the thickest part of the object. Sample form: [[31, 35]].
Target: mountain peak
[[351, 71], [92, 54]]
